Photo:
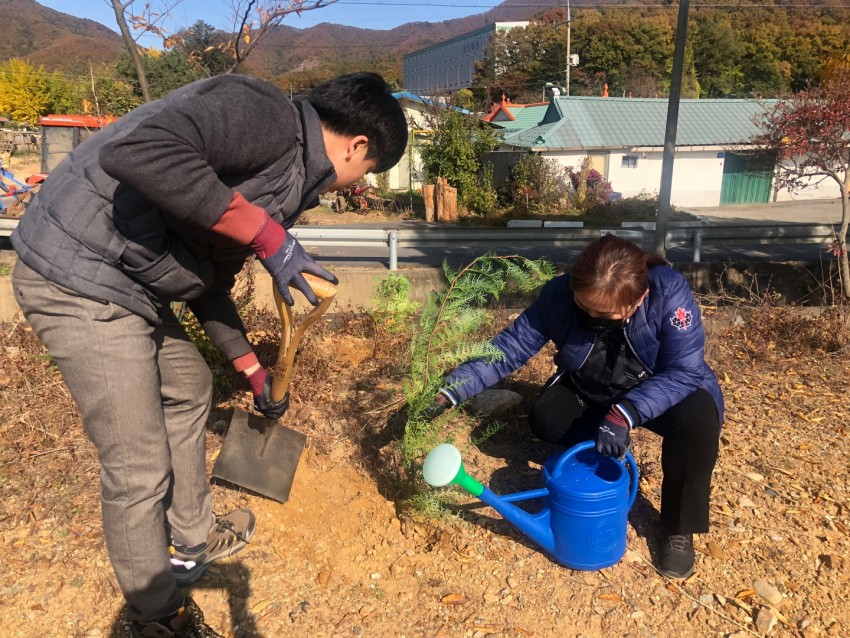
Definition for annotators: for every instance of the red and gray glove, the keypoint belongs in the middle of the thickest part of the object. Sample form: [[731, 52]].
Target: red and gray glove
[[444, 400], [285, 260], [261, 386], [612, 436], [278, 251]]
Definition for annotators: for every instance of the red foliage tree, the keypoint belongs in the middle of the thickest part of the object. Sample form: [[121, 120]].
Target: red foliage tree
[[809, 134]]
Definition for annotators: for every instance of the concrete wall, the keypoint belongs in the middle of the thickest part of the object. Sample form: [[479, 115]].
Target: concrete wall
[[356, 288], [357, 285]]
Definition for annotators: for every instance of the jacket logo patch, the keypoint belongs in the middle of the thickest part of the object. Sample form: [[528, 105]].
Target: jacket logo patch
[[681, 318]]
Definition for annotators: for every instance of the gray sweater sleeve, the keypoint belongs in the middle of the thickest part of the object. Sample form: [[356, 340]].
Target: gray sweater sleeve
[[217, 314], [177, 157]]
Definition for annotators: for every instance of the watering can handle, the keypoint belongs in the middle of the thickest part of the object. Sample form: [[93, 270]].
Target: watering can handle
[[633, 471], [587, 445]]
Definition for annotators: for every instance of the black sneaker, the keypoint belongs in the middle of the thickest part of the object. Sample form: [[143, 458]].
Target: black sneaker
[[676, 559], [186, 622], [228, 536]]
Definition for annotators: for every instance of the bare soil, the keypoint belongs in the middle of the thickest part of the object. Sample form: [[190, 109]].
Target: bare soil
[[346, 556]]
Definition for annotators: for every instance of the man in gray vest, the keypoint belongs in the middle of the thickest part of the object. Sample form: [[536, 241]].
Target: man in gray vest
[[166, 204]]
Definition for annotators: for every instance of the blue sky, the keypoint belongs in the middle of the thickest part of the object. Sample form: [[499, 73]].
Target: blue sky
[[369, 14]]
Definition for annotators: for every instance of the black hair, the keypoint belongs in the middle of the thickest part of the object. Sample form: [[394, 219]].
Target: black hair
[[361, 104]]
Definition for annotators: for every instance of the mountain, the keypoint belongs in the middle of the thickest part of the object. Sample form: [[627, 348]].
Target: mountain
[[55, 40], [290, 49], [61, 42]]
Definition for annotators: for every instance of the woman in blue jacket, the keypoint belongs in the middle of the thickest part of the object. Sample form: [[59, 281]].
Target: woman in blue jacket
[[630, 352]]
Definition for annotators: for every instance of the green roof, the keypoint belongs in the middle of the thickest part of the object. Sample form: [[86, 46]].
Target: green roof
[[524, 117], [609, 122]]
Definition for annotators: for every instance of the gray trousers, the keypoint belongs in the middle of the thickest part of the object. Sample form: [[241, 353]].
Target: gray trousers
[[144, 395]]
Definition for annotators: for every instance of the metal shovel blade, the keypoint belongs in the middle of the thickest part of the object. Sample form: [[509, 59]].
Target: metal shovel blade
[[259, 455]]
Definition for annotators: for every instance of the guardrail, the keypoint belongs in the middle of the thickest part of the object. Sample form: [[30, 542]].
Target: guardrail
[[694, 234], [7, 226]]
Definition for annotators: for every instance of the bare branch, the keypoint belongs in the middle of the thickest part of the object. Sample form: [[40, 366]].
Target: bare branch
[[256, 19]]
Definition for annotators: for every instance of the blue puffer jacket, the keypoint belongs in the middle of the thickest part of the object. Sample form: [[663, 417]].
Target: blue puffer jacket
[[665, 333]]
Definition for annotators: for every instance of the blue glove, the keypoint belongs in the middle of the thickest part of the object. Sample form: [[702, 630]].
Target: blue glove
[[285, 260], [612, 436]]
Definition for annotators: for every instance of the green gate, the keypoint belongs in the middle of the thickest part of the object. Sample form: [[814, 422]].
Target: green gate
[[746, 180]]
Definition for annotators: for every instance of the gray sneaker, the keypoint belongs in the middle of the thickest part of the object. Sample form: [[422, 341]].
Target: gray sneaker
[[228, 536], [186, 622]]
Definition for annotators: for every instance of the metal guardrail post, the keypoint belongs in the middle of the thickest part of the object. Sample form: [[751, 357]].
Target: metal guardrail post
[[697, 244], [392, 240]]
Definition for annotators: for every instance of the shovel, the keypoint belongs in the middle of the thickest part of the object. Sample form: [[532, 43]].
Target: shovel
[[259, 454]]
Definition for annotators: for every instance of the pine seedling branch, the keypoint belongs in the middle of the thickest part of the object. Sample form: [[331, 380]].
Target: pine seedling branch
[[446, 335]]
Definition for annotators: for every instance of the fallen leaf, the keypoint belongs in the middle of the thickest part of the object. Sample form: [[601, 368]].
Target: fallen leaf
[[454, 599], [260, 606], [715, 551]]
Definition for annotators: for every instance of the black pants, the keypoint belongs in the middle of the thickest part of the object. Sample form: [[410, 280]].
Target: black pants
[[691, 437]]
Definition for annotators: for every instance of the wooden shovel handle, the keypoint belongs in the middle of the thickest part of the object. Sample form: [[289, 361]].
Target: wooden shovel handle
[[326, 292]]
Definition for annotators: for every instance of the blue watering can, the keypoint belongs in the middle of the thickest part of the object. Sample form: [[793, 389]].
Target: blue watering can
[[586, 502]]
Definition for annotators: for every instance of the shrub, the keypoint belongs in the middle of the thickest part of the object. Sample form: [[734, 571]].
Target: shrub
[[589, 187], [480, 197], [537, 185], [392, 305]]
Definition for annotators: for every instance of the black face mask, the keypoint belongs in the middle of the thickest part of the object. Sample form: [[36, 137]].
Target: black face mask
[[597, 324]]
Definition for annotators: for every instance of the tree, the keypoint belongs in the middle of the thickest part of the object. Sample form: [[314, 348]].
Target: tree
[[23, 91], [252, 21], [809, 134], [145, 22], [109, 95], [64, 97], [457, 150], [205, 46], [164, 71]]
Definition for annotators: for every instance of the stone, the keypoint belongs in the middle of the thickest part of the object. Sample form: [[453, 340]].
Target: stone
[[746, 502], [768, 592], [765, 620], [495, 402]]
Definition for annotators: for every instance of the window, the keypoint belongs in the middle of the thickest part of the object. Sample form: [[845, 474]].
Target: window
[[630, 161]]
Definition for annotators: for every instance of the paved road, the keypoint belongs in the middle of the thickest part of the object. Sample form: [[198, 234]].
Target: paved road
[[811, 211]]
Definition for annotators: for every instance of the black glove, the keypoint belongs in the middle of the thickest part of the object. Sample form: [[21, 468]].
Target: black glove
[[263, 401], [439, 405], [612, 437], [285, 259]]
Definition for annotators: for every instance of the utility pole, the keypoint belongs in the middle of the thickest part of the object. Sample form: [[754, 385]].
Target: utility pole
[[666, 188], [569, 23]]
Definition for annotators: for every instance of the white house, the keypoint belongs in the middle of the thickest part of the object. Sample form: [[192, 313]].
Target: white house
[[624, 139], [409, 172]]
